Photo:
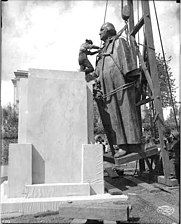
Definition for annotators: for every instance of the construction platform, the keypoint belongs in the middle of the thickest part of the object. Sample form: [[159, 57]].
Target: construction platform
[[148, 152]]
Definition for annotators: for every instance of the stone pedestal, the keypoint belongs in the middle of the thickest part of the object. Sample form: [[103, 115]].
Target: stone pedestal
[[56, 118]]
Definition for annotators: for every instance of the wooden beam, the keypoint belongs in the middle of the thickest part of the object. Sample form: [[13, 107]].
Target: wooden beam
[[155, 81], [136, 156], [108, 158], [131, 25], [112, 189], [147, 100], [131, 18], [140, 183], [138, 26]]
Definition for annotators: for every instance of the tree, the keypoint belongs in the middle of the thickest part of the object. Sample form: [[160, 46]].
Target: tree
[[166, 80], [9, 131], [171, 118], [146, 118], [10, 122]]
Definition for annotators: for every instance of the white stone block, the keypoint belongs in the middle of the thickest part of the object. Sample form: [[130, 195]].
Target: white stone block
[[92, 167]]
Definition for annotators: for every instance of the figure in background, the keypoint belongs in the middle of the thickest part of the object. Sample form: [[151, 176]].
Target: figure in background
[[176, 153], [85, 65], [172, 145], [100, 140], [117, 75]]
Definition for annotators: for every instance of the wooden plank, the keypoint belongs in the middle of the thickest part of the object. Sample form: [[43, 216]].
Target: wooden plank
[[131, 18], [136, 156], [131, 25], [145, 185], [111, 172], [138, 26], [112, 212], [112, 189], [147, 100], [108, 158], [78, 221]]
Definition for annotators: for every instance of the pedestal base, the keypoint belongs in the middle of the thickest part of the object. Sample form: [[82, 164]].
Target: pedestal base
[[11, 207], [57, 190]]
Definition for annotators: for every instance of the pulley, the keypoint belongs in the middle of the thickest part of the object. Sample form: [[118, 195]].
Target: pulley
[[126, 12]]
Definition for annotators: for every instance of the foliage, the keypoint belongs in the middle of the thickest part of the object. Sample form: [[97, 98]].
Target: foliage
[[9, 131], [5, 150], [10, 122], [170, 121], [146, 119], [166, 80]]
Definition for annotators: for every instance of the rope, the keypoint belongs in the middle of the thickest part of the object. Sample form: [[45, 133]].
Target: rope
[[125, 86], [168, 79], [138, 17], [104, 17], [122, 5], [105, 11]]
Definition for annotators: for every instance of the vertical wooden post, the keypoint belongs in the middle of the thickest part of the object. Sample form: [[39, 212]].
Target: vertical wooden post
[[131, 18], [131, 27], [156, 88]]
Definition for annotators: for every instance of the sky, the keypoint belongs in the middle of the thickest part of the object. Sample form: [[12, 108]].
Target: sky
[[47, 34]]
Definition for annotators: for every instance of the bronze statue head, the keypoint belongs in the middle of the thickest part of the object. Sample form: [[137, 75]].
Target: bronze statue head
[[107, 30]]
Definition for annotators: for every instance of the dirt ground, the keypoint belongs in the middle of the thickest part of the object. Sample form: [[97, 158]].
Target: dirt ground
[[144, 202]]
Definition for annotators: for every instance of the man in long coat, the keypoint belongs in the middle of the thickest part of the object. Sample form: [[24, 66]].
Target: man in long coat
[[116, 69]]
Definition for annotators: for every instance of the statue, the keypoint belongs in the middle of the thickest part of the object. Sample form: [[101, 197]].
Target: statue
[[116, 71]]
